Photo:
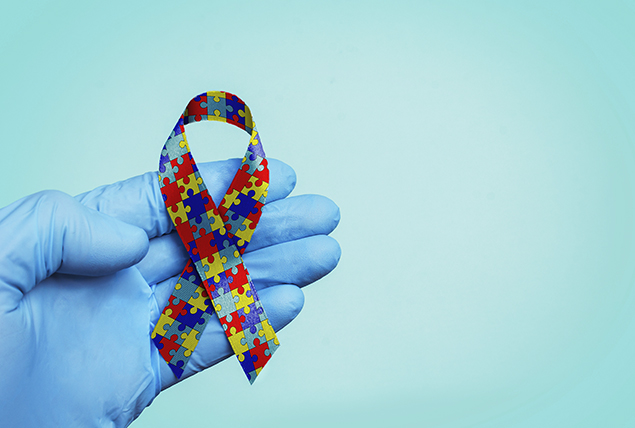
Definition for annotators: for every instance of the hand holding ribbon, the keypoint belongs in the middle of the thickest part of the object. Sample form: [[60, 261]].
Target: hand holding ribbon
[[77, 305]]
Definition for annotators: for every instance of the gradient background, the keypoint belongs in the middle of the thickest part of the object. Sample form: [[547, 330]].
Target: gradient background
[[482, 154]]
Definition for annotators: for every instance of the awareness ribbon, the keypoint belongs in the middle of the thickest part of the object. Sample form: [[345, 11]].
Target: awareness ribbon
[[215, 239]]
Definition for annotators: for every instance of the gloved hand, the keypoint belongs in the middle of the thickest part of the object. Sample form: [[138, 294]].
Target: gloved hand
[[83, 281]]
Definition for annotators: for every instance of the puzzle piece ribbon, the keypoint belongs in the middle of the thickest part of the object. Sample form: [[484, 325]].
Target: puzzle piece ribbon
[[215, 239]]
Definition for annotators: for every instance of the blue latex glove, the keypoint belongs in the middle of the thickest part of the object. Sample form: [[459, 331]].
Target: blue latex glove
[[83, 281]]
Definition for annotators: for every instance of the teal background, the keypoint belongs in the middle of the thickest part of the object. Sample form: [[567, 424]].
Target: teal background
[[482, 154]]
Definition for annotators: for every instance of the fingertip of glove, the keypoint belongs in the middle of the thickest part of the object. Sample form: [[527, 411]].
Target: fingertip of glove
[[137, 241], [327, 252], [325, 214], [289, 177], [283, 303], [331, 212], [295, 301], [283, 178]]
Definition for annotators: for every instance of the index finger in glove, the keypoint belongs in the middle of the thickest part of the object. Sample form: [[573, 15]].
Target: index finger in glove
[[138, 200]]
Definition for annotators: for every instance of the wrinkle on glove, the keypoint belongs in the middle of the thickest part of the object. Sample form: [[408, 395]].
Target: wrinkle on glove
[[58, 338]]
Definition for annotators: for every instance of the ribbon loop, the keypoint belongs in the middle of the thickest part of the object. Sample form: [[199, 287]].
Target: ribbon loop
[[215, 277]]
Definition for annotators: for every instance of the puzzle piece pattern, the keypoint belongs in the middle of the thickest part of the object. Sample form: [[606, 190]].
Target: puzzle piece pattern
[[215, 277]]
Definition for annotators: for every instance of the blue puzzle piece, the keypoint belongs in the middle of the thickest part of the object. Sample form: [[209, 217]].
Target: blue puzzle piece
[[257, 149], [222, 241], [233, 106], [193, 320], [195, 202], [248, 362], [221, 287], [252, 318], [245, 206]]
